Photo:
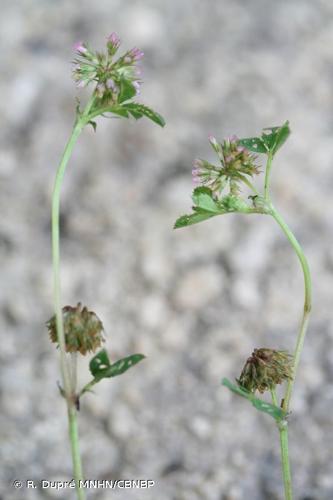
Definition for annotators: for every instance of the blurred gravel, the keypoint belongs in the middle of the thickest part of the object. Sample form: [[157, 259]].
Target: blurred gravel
[[195, 301]]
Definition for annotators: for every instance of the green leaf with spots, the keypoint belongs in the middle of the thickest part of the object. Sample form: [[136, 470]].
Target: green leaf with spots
[[272, 410], [275, 137], [138, 110], [100, 366], [255, 144], [99, 362]]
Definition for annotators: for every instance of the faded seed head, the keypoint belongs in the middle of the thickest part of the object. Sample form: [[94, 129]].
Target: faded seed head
[[83, 329], [264, 369]]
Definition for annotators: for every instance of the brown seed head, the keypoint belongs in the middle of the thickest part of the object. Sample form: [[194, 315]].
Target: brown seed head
[[264, 369], [83, 329]]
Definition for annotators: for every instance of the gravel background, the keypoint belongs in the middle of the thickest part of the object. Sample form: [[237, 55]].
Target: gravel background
[[195, 301]]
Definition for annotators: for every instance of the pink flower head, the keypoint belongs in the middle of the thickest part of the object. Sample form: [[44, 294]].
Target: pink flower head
[[80, 48], [114, 40]]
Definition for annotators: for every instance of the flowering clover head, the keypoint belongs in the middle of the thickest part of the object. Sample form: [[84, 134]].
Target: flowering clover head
[[235, 162], [264, 369], [83, 329], [108, 73]]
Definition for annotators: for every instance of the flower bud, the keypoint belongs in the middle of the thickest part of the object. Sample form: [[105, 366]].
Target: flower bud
[[80, 48], [83, 329], [113, 43]]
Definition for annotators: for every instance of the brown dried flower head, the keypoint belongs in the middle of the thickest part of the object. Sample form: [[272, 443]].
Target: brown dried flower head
[[83, 329], [264, 369]]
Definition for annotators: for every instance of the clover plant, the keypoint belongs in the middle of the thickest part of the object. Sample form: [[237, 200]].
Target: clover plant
[[116, 82], [219, 192]]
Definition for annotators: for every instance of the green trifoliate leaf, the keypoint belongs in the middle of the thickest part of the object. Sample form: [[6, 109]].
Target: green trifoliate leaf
[[100, 366], [270, 141], [138, 110], [206, 206], [276, 137], [272, 410]]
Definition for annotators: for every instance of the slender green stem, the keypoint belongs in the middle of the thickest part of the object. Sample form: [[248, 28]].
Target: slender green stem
[[88, 387], [268, 176], [283, 430], [68, 379], [75, 448], [274, 397], [307, 302], [283, 425], [56, 257]]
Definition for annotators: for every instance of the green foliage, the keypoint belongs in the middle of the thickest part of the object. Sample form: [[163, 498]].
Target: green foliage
[[272, 410], [270, 141], [138, 110], [203, 198], [127, 90], [205, 207], [100, 366], [188, 220], [232, 203], [276, 138], [255, 144], [126, 110]]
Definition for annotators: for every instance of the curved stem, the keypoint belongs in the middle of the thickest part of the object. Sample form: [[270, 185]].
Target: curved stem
[[65, 371], [68, 378], [307, 302]]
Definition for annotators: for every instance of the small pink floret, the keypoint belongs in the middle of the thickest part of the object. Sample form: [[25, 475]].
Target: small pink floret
[[114, 39], [136, 54], [80, 47]]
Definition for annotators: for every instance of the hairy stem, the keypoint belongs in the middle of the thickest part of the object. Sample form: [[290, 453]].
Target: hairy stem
[[68, 378]]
